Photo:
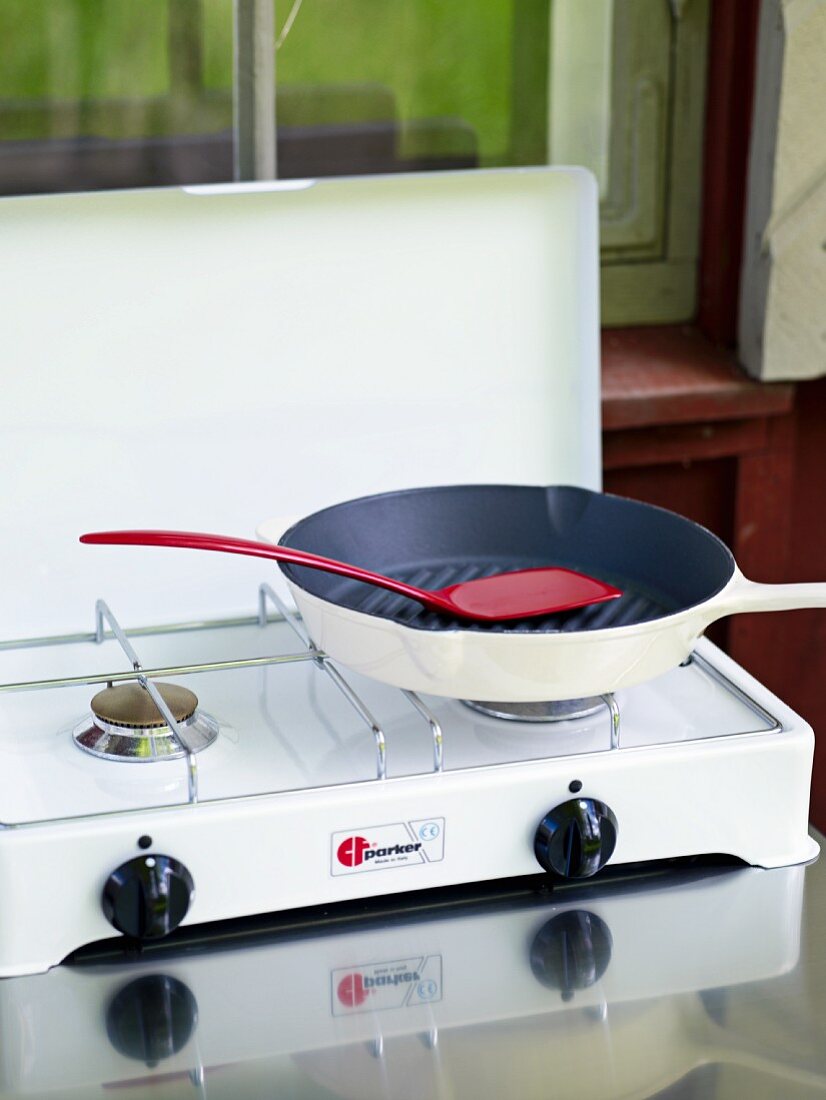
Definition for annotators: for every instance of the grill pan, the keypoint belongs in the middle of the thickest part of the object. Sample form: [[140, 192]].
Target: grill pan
[[676, 579]]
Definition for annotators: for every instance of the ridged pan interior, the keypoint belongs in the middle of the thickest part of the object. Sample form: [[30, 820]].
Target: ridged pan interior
[[436, 537], [631, 607]]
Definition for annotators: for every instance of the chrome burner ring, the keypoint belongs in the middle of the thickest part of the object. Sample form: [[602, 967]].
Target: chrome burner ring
[[560, 710], [129, 744]]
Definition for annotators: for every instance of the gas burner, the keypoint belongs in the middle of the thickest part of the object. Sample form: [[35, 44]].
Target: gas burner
[[125, 724], [560, 710]]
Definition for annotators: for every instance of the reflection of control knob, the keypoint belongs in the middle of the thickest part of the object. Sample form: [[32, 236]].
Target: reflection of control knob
[[148, 897], [576, 838], [151, 1018], [571, 951]]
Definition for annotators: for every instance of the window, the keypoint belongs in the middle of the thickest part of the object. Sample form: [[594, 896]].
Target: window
[[99, 94]]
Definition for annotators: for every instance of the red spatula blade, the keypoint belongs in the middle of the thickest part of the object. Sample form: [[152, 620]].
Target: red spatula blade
[[526, 592]]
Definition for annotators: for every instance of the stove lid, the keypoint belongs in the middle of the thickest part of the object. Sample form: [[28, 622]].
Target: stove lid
[[209, 357]]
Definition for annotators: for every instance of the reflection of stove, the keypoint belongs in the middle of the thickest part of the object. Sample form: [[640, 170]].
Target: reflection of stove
[[317, 788], [391, 996]]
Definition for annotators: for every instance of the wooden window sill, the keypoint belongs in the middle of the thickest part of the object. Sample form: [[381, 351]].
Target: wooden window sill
[[672, 374]]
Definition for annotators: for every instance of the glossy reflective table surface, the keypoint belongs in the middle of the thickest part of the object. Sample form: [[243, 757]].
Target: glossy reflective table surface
[[693, 980]]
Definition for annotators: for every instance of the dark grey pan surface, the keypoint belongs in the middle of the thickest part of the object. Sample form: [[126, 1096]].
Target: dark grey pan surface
[[663, 562]]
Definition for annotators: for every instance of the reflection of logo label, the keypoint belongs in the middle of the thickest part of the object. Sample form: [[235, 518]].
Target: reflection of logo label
[[397, 983], [351, 851], [354, 989], [351, 992]]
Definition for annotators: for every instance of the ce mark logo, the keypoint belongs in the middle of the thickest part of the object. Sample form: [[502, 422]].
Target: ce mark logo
[[429, 831]]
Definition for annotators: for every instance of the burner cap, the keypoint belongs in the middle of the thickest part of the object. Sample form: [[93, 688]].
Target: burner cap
[[132, 707]]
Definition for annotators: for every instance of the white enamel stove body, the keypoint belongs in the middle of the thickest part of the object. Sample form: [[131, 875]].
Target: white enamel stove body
[[255, 844]]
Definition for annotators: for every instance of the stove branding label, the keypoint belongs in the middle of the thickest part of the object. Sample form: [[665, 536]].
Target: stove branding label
[[380, 847], [399, 983]]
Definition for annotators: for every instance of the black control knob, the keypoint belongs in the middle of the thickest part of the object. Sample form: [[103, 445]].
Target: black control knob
[[576, 838], [148, 897], [571, 951], [151, 1018]]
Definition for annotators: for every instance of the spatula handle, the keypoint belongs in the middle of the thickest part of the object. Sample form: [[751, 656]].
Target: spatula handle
[[225, 544]]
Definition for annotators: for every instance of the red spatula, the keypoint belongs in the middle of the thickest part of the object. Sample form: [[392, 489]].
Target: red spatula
[[516, 595]]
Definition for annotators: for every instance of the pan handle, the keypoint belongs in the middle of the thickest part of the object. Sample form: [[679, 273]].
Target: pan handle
[[745, 595]]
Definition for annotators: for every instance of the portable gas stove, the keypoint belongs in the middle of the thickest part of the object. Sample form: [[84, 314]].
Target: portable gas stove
[[273, 781], [264, 351]]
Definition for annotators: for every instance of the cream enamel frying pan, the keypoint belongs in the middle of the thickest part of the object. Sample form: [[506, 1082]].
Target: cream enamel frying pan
[[676, 578]]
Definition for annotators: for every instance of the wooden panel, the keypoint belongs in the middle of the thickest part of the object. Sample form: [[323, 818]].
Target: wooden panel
[[670, 375], [692, 20], [632, 214], [656, 292], [667, 100], [728, 122], [765, 483], [682, 443], [762, 538], [793, 658], [702, 491]]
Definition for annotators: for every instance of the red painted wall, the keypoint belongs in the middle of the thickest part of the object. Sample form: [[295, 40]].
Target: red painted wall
[[790, 657], [796, 667]]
